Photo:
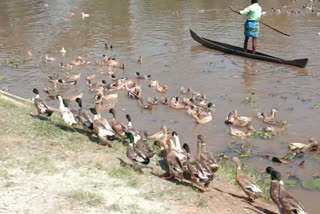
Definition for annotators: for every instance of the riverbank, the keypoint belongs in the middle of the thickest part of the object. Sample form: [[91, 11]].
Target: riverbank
[[45, 168]]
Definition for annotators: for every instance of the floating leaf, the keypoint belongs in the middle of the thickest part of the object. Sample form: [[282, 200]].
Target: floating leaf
[[311, 184], [316, 106]]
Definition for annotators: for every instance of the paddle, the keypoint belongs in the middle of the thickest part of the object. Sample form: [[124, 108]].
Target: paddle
[[263, 24]]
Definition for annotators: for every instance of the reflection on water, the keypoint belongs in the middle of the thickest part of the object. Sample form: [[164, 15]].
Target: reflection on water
[[159, 31]]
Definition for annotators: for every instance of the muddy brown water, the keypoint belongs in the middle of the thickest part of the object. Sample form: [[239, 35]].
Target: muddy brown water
[[159, 31]]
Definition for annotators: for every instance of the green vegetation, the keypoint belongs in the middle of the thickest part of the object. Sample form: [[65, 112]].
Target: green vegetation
[[265, 135], [86, 197], [311, 184], [41, 164]]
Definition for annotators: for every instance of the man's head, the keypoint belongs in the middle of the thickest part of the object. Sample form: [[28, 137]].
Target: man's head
[[254, 1]]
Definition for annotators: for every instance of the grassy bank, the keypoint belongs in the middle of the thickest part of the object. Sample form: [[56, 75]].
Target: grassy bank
[[47, 166]]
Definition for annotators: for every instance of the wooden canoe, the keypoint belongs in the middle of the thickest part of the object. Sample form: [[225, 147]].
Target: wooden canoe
[[230, 49]]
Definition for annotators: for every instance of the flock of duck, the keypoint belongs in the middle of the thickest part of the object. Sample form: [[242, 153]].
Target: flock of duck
[[199, 168]]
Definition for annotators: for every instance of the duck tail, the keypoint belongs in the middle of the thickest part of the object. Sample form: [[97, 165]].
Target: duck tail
[[146, 161], [88, 125]]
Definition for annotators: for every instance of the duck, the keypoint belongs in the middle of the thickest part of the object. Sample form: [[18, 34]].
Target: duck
[[199, 171], [230, 118], [102, 128], [100, 95], [143, 145], [63, 51], [239, 133], [176, 146], [262, 116], [106, 46], [275, 129], [71, 14], [146, 77], [185, 91], [100, 106], [153, 101], [83, 117], [206, 156], [66, 114], [42, 107], [67, 83], [176, 104], [312, 145], [236, 120], [118, 127], [277, 123], [175, 163], [139, 61], [68, 66], [247, 183], [48, 59], [134, 153], [164, 101], [161, 89], [203, 119], [158, 135], [153, 83], [163, 152], [274, 189], [288, 203], [135, 133], [144, 106], [188, 101], [111, 61], [84, 15], [74, 77]]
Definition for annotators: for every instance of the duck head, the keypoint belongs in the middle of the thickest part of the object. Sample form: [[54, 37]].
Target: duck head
[[79, 101], [128, 117], [113, 112], [130, 136], [269, 170], [237, 162]]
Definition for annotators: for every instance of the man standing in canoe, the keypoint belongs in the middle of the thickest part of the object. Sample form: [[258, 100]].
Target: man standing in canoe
[[251, 27]]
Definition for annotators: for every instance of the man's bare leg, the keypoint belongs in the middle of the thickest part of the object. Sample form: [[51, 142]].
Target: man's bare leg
[[254, 45]]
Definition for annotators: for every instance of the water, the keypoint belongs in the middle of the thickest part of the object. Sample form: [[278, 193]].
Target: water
[[159, 31]]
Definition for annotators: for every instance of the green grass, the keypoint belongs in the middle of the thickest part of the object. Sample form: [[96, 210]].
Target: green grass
[[125, 173], [85, 197], [4, 174], [42, 164], [9, 184]]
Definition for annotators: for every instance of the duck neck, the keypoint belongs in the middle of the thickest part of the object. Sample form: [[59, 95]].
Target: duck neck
[[37, 96], [177, 142], [198, 149], [61, 106]]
